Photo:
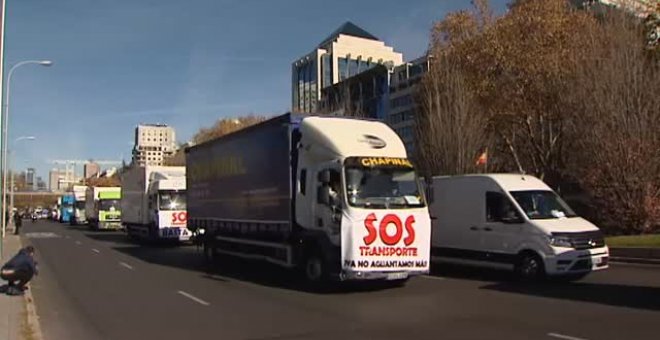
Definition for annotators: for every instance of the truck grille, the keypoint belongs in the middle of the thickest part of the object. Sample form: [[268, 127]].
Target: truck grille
[[585, 240]]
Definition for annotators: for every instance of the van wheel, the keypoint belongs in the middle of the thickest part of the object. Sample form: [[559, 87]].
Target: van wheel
[[529, 267]]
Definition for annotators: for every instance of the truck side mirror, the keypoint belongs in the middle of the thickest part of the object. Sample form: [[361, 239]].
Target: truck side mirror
[[323, 195], [324, 176]]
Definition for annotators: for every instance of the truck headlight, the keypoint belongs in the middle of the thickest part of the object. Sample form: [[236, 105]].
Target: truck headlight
[[561, 241]]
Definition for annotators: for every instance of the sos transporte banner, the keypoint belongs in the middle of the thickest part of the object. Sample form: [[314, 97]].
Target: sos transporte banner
[[386, 240]]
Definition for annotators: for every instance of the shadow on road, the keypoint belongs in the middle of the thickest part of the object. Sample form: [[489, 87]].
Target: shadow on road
[[109, 236], [606, 294], [471, 273], [226, 269], [618, 295]]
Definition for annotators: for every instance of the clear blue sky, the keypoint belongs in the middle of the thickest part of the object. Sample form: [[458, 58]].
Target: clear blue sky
[[184, 63]]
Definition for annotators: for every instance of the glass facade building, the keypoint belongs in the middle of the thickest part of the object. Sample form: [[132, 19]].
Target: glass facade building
[[347, 52]]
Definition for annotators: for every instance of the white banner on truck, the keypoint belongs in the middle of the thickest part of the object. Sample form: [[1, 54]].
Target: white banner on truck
[[386, 240], [173, 224]]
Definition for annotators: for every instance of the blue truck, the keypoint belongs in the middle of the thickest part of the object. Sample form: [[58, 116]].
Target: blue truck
[[335, 197], [66, 208]]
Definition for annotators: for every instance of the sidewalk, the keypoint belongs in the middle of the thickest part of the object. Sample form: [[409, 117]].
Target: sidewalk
[[17, 314]]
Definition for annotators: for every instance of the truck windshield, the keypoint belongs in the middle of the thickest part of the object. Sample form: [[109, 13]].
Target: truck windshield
[[109, 204], [383, 187], [542, 204], [172, 200]]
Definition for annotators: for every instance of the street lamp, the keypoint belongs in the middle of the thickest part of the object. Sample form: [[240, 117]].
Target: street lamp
[[5, 124], [11, 203]]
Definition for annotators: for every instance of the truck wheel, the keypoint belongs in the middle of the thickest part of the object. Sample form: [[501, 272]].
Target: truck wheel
[[209, 253], [529, 267], [314, 269]]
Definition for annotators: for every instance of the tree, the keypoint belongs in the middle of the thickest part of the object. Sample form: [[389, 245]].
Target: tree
[[616, 125], [112, 181], [450, 129], [223, 126], [514, 67], [226, 126]]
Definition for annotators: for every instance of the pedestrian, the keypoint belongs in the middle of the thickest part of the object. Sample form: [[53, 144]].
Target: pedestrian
[[18, 222], [21, 268]]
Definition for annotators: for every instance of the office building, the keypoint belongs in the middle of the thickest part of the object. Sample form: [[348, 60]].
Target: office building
[[153, 143], [30, 179], [348, 51], [61, 180], [363, 95], [402, 108], [41, 184], [91, 169]]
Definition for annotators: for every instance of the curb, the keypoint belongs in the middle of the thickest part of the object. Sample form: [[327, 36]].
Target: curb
[[32, 317], [31, 311]]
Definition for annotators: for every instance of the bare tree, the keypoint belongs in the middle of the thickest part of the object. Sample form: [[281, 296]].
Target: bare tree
[[450, 128], [616, 125]]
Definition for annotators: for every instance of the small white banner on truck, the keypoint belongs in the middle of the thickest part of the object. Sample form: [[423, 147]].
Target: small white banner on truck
[[386, 240], [173, 224]]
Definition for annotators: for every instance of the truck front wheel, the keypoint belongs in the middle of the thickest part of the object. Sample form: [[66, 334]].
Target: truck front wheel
[[314, 269], [209, 253]]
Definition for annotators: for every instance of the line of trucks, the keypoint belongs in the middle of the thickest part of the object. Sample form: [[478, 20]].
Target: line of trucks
[[338, 198]]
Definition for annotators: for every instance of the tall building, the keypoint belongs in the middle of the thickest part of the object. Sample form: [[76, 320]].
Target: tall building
[[402, 108], [30, 179], [41, 185], [153, 143], [346, 52], [363, 95], [54, 180], [91, 169], [61, 180]]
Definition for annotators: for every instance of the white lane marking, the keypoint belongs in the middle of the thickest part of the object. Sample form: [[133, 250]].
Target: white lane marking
[[433, 277], [196, 299], [126, 265], [96, 250], [565, 337], [78, 242]]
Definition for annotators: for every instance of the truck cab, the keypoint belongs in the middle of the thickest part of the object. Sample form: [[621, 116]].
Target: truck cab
[[66, 208], [78, 216], [105, 208], [360, 195], [167, 204]]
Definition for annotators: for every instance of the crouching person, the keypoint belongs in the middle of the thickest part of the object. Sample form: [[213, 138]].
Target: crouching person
[[19, 271]]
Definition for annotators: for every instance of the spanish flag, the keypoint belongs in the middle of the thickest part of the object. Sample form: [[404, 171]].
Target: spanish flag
[[483, 158]]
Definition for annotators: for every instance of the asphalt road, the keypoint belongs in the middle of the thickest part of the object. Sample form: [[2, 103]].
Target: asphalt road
[[100, 285]]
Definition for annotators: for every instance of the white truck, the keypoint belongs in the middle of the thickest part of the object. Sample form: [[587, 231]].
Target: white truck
[[334, 197], [79, 192], [512, 221], [102, 207], [154, 203]]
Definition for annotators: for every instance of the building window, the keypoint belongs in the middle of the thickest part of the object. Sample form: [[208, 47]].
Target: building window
[[342, 65]]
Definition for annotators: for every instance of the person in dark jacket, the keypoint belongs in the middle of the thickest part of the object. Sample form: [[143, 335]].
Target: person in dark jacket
[[21, 268], [18, 223]]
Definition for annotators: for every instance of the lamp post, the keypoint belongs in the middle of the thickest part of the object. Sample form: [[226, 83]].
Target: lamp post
[[11, 203], [5, 124]]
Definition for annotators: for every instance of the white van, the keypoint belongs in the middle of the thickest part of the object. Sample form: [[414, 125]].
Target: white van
[[515, 222]]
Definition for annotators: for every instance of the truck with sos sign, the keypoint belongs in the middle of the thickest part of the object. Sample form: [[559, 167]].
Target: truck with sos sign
[[154, 202], [334, 197]]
